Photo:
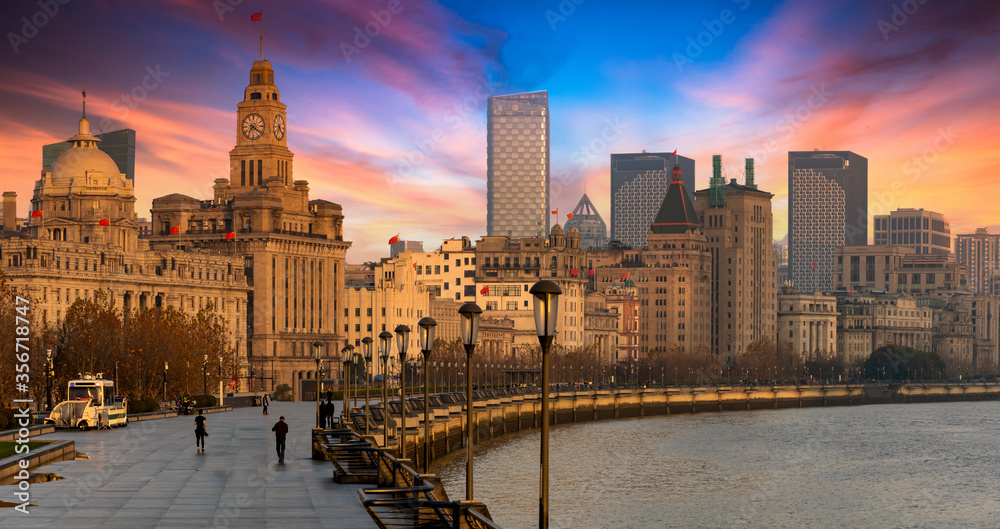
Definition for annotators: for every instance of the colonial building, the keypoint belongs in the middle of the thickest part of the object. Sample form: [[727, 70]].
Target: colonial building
[[600, 327], [869, 321], [292, 247], [738, 224], [672, 276], [623, 299], [450, 271], [506, 269], [808, 322], [84, 237]]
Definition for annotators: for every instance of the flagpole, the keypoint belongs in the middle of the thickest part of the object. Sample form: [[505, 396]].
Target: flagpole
[[261, 34]]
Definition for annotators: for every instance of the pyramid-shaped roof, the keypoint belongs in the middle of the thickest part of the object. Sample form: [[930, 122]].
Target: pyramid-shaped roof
[[676, 213]]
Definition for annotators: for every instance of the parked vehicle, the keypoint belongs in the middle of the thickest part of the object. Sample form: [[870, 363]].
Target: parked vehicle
[[91, 402]]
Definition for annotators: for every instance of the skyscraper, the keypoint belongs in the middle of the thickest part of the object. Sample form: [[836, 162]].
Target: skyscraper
[[638, 183], [593, 231], [980, 253], [118, 144], [827, 207], [517, 165]]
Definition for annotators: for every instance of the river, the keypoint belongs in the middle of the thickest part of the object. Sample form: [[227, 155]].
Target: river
[[879, 466]]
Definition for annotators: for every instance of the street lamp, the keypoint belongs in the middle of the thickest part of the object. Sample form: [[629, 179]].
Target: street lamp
[[546, 315], [165, 367], [346, 354], [385, 338], [402, 343], [426, 336], [366, 343], [317, 350], [470, 329], [48, 379], [204, 376]]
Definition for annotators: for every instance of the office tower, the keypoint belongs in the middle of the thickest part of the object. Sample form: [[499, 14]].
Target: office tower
[[118, 144], [925, 231], [827, 207], [980, 253], [517, 165], [739, 226], [399, 247], [638, 183], [593, 231]]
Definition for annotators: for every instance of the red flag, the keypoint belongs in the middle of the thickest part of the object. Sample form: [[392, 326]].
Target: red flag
[[851, 293], [394, 239], [231, 235], [556, 212], [174, 230], [485, 290], [590, 272], [574, 272], [36, 213], [625, 275], [569, 215], [674, 153], [414, 266], [256, 16], [104, 222], [814, 266]]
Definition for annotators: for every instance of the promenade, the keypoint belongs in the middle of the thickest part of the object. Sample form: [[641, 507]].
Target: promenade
[[149, 475]]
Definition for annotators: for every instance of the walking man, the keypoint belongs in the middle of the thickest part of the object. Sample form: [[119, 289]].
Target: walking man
[[200, 432], [264, 403], [280, 430]]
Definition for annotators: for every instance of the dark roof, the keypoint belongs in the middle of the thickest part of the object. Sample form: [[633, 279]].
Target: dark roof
[[733, 186], [676, 213]]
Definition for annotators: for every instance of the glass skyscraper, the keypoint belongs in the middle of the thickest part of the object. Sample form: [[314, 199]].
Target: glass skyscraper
[[517, 165], [639, 181], [827, 208]]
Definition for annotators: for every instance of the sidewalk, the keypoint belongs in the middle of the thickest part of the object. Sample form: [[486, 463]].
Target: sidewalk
[[149, 475]]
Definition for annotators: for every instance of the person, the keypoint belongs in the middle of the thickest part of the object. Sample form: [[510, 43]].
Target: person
[[264, 403], [331, 411], [322, 415], [200, 432], [280, 430]]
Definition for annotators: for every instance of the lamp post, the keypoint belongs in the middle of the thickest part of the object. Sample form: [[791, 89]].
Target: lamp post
[[546, 315], [317, 351], [470, 329], [346, 354], [426, 336], [402, 343], [204, 375], [366, 344], [165, 367], [385, 338], [48, 379]]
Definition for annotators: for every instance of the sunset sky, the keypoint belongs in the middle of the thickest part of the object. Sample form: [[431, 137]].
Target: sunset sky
[[393, 127]]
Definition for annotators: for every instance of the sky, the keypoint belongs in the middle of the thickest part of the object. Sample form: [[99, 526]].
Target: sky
[[386, 98]]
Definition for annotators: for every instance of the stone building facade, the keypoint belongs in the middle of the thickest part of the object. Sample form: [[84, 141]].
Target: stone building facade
[[898, 269], [292, 247], [808, 322]]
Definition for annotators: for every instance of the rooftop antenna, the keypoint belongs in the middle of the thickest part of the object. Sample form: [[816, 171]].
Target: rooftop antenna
[[84, 103]]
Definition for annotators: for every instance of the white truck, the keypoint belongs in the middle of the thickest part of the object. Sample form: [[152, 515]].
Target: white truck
[[91, 403]]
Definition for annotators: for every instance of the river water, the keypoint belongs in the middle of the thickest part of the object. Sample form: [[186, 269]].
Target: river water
[[880, 466]]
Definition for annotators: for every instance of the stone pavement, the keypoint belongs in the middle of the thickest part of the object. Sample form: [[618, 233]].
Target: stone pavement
[[149, 475]]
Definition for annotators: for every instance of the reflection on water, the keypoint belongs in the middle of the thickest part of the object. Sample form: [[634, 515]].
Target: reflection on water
[[912, 465]]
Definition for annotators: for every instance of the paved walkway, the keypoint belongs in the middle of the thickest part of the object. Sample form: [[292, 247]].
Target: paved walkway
[[149, 475]]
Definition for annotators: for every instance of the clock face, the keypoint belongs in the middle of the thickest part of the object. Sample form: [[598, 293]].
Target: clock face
[[279, 127], [253, 126]]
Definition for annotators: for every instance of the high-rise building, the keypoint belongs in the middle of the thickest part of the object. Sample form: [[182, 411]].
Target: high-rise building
[[399, 247], [827, 207], [517, 165], [638, 183], [925, 231], [980, 253], [118, 144], [593, 231], [738, 223]]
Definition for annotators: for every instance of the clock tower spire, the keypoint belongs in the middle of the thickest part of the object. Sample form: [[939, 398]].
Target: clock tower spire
[[260, 159]]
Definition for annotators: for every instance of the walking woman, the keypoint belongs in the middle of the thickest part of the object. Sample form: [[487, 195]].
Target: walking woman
[[200, 433]]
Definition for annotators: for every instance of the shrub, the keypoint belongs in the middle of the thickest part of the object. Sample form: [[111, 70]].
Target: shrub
[[283, 392], [203, 401], [143, 406]]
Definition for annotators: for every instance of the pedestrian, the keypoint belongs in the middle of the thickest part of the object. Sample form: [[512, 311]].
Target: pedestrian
[[263, 402], [322, 415], [331, 411], [280, 430], [200, 433]]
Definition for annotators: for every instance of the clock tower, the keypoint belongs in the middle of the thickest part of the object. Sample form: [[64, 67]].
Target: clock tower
[[261, 151]]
